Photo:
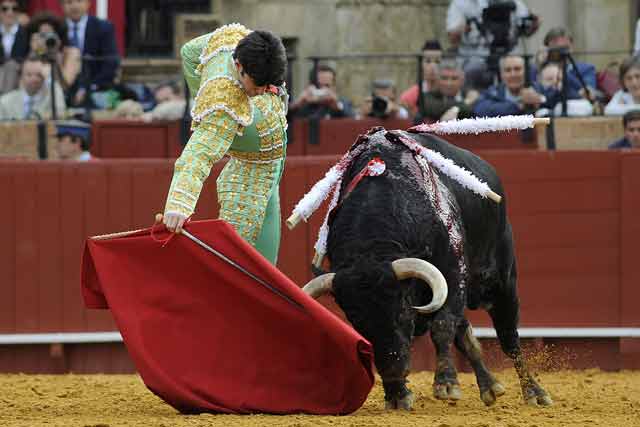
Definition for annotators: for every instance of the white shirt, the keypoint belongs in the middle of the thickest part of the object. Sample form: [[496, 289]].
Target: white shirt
[[82, 28], [34, 99], [85, 156], [8, 38], [620, 103], [473, 43]]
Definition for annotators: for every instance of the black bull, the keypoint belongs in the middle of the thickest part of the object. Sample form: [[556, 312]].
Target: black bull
[[413, 212]]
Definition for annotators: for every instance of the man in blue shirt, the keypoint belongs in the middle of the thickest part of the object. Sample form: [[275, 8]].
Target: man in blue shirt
[[559, 39], [631, 122], [511, 97]]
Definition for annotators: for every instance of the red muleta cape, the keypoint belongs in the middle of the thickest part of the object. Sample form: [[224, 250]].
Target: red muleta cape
[[205, 337]]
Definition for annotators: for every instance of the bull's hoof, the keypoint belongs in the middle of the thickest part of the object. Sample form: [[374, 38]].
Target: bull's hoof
[[405, 403], [535, 395], [490, 395], [447, 391]]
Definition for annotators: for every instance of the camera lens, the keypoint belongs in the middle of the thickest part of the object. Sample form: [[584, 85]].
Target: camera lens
[[379, 106]]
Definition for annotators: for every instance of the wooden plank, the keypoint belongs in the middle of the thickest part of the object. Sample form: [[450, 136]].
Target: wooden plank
[[578, 195], [8, 250], [72, 217], [570, 229], [27, 256], [49, 268], [580, 260], [572, 300], [528, 166], [629, 236], [96, 208], [294, 244]]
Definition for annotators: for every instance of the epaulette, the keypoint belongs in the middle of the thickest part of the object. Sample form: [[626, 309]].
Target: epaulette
[[223, 93], [225, 38]]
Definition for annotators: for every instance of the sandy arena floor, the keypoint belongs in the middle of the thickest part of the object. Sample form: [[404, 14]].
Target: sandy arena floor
[[582, 398]]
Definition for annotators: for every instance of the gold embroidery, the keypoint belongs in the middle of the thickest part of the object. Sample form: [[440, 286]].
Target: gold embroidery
[[223, 94], [224, 38]]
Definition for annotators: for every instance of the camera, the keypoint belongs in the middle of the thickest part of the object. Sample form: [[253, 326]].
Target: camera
[[51, 40], [557, 54], [379, 106]]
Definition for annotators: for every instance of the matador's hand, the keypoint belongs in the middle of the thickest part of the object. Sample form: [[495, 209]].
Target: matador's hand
[[173, 220]]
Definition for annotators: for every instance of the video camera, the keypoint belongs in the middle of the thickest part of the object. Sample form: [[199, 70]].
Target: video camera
[[379, 106]]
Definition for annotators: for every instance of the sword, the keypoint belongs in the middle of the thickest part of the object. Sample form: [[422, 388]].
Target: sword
[[237, 266]]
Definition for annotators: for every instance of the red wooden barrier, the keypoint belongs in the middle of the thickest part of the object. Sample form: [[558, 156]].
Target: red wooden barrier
[[132, 139], [573, 215]]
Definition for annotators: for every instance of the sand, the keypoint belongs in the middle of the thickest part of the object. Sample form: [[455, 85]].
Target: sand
[[582, 398]]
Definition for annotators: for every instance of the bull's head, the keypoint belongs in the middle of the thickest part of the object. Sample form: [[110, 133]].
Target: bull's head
[[380, 306]]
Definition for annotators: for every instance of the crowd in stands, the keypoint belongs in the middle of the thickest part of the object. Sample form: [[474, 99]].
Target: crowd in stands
[[480, 75]]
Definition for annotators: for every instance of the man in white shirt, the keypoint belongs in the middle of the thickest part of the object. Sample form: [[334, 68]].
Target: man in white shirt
[[471, 36], [32, 101]]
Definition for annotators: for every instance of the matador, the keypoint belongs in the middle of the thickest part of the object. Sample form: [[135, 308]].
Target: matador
[[237, 78]]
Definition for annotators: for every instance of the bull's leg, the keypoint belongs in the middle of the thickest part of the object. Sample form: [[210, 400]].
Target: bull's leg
[[469, 346], [445, 384], [504, 314]]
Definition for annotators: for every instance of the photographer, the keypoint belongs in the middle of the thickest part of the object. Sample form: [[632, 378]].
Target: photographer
[[558, 45], [320, 99], [48, 40], [478, 41], [382, 102]]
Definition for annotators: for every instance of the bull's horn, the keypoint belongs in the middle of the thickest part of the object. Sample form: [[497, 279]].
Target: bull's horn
[[319, 286], [407, 268]]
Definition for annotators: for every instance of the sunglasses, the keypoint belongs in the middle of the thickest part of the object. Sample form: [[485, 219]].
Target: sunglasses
[[9, 8]]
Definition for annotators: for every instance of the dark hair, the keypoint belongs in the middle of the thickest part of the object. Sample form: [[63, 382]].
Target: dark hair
[[19, 4], [625, 66], [431, 45], [263, 58], [630, 116], [59, 26], [554, 33], [313, 76]]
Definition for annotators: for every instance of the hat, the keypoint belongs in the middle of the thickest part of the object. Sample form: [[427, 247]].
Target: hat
[[73, 128]]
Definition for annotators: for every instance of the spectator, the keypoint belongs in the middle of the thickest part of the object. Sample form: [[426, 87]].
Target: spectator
[[45, 28], [431, 55], [33, 99], [320, 99], [73, 138], [558, 43], [631, 123], [382, 102], [627, 98], [170, 103], [15, 45], [551, 79], [96, 40], [510, 96], [472, 39], [449, 101]]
